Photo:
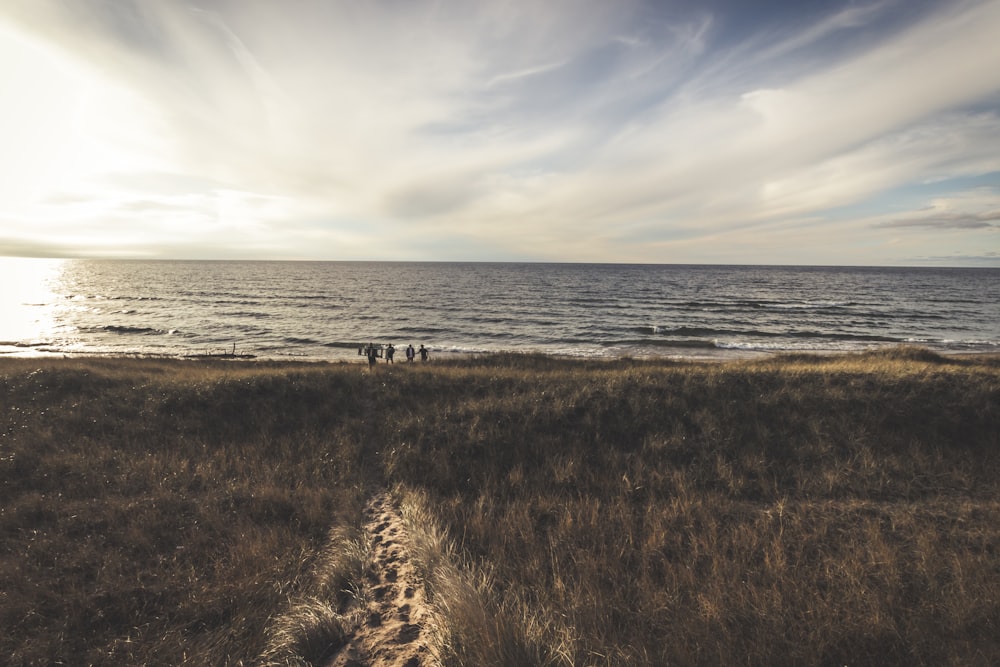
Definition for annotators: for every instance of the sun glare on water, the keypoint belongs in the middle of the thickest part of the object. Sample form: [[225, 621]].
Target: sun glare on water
[[28, 301]]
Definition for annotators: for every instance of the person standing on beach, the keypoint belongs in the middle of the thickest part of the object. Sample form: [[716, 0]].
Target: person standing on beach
[[389, 351], [423, 353], [410, 353], [372, 355]]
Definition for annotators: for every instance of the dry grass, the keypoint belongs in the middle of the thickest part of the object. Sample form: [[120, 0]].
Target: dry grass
[[317, 619], [798, 510], [793, 511], [478, 622], [161, 512]]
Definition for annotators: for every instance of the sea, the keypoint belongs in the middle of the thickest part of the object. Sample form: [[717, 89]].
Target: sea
[[328, 310]]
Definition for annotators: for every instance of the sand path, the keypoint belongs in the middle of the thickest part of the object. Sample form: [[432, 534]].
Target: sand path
[[393, 627]]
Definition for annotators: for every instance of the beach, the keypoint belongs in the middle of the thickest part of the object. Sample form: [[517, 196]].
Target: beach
[[791, 509]]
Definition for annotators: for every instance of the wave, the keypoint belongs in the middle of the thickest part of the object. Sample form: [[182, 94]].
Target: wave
[[255, 314], [125, 330], [113, 297], [706, 332], [309, 297], [967, 344], [876, 338], [653, 342], [292, 340], [807, 305], [924, 316], [759, 304], [421, 330], [135, 331], [349, 345], [758, 346], [229, 302], [695, 331], [603, 304], [22, 344]]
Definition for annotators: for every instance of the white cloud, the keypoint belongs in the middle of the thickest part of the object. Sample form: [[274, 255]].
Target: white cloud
[[951, 146], [541, 130], [977, 209]]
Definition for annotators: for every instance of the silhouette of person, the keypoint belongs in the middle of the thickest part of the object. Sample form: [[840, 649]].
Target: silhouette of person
[[423, 353], [372, 355], [410, 352], [389, 351]]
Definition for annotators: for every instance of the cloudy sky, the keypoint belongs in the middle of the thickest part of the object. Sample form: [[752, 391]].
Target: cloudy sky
[[721, 131]]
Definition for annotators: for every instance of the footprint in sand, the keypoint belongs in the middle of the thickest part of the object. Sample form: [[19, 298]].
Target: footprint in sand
[[383, 592], [408, 633], [390, 631]]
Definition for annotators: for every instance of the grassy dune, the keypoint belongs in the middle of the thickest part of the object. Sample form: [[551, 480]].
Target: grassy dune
[[159, 512], [797, 510]]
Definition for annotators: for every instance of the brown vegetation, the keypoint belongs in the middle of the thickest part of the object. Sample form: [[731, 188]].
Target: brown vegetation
[[158, 512], [797, 510]]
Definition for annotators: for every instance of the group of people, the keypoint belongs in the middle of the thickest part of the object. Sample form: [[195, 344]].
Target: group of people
[[374, 352]]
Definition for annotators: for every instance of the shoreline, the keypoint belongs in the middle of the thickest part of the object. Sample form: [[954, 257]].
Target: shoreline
[[674, 354]]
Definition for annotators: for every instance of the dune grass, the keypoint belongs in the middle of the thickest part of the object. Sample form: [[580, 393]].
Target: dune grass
[[794, 510], [159, 512]]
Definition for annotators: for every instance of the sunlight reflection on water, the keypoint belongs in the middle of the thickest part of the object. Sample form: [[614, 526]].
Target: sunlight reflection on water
[[28, 302]]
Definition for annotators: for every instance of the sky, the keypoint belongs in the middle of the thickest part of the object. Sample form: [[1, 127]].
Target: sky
[[815, 132]]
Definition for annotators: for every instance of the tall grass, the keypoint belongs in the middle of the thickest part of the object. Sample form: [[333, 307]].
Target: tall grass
[[478, 623], [160, 512], [319, 618], [796, 510]]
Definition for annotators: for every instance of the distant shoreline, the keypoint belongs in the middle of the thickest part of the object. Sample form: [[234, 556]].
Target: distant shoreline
[[724, 356]]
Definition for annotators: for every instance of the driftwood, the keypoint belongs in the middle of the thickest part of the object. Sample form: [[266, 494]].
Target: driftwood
[[226, 354]]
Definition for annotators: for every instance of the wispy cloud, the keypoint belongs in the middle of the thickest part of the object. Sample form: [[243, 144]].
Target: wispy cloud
[[558, 130], [520, 74], [978, 209], [951, 221]]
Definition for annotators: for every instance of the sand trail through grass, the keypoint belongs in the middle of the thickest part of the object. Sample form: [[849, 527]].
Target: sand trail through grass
[[394, 624]]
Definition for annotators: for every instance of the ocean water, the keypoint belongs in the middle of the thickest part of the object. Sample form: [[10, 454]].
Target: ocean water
[[326, 310]]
